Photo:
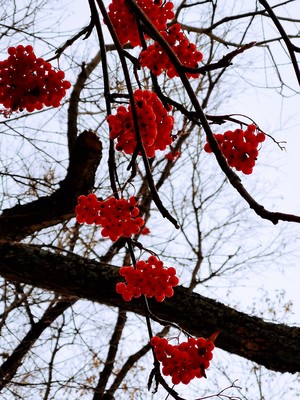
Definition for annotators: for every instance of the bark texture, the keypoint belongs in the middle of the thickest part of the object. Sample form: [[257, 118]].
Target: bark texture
[[23, 220], [276, 346]]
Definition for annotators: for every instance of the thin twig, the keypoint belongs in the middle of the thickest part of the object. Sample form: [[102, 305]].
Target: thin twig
[[164, 212], [233, 178], [85, 31], [290, 46]]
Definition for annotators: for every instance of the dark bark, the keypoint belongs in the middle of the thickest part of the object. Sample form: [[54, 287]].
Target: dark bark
[[275, 346], [23, 220]]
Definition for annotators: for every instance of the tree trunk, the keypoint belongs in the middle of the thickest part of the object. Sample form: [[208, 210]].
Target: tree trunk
[[275, 346]]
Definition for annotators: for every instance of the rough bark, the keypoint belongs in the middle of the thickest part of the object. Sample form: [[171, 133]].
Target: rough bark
[[22, 220], [275, 346]]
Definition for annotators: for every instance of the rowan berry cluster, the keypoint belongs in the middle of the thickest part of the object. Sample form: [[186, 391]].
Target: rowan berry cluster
[[124, 21], [154, 123], [118, 217], [156, 59], [149, 278], [240, 148], [28, 82], [185, 361]]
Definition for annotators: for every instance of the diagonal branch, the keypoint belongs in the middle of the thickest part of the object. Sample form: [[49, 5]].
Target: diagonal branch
[[233, 178], [274, 346], [13, 362], [290, 46], [111, 356], [86, 71]]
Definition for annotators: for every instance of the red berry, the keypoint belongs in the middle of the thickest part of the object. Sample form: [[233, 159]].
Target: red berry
[[261, 137], [239, 147], [157, 61], [150, 278], [185, 361], [124, 20], [145, 231], [28, 82], [154, 123], [117, 217]]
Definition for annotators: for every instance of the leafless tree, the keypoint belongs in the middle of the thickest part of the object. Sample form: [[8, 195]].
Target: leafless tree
[[65, 332]]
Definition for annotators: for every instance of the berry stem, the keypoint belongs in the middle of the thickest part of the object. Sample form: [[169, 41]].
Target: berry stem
[[165, 213], [111, 159]]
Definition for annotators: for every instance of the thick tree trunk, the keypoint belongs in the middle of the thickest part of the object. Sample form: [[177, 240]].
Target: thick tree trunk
[[275, 346]]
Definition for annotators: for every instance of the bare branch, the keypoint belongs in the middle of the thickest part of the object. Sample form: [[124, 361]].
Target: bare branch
[[12, 363], [22, 220]]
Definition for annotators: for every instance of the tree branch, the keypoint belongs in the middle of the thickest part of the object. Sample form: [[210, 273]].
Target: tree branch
[[111, 356], [274, 346], [233, 178], [22, 220], [290, 47], [13, 362]]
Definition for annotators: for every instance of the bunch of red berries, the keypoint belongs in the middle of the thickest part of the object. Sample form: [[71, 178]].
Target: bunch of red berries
[[185, 361], [240, 148], [149, 278], [154, 123], [28, 82], [155, 58], [124, 20], [118, 217]]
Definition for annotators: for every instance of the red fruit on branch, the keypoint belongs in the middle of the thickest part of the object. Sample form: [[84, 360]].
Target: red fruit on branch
[[28, 82], [145, 231], [155, 58], [240, 148], [154, 123], [124, 21], [118, 217], [149, 278], [185, 361]]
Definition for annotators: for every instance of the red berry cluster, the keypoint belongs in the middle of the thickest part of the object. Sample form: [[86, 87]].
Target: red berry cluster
[[28, 82], [124, 20], [173, 155], [155, 58], [154, 123], [149, 278], [240, 148], [185, 361], [117, 217]]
